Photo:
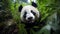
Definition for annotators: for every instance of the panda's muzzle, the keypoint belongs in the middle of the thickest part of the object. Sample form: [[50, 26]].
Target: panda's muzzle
[[30, 18]]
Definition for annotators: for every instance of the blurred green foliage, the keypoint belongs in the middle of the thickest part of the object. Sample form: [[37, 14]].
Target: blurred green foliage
[[46, 8]]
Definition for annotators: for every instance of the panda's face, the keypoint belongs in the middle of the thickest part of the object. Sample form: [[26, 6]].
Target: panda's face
[[29, 13], [29, 16]]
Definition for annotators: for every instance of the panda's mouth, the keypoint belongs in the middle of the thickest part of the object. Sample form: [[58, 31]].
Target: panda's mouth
[[30, 21]]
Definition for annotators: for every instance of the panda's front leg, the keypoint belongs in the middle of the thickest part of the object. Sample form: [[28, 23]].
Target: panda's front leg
[[28, 28]]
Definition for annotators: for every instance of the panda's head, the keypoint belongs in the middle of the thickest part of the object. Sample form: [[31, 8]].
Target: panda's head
[[29, 13]]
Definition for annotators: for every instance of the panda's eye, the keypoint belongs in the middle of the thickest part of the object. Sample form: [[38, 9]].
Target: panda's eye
[[33, 12], [24, 14]]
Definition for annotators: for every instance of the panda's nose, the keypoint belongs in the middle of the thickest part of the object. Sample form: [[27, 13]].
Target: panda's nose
[[30, 18]]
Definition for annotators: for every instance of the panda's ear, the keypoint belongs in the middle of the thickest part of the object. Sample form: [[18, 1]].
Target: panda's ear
[[20, 8], [34, 4]]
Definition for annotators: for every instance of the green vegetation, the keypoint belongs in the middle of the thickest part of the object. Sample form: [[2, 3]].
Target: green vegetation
[[47, 8]]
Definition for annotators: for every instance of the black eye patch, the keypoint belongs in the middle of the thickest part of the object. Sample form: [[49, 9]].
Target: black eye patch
[[24, 14], [33, 12]]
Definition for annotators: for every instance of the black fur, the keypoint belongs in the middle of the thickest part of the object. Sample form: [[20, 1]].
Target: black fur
[[33, 12], [25, 15], [34, 4], [20, 8]]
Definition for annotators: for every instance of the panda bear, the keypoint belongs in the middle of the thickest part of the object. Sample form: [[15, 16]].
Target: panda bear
[[30, 16]]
